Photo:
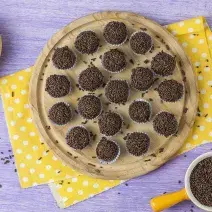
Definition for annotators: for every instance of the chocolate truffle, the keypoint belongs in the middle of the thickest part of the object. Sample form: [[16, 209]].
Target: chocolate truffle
[[163, 64], [64, 58], [78, 137], [60, 113], [109, 123], [165, 124], [89, 106], [114, 61], [142, 78], [87, 42], [137, 143], [140, 42], [170, 90], [140, 111], [115, 32], [107, 151], [91, 79], [117, 91], [58, 86]]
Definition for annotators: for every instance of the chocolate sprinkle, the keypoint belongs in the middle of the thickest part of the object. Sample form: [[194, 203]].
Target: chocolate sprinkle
[[140, 111], [140, 42], [142, 78], [163, 64], [165, 124], [64, 58], [170, 90], [87, 42], [107, 150], [137, 143], [117, 91], [110, 123], [57, 85], [78, 137], [89, 106], [115, 32], [60, 113], [91, 79], [114, 60]]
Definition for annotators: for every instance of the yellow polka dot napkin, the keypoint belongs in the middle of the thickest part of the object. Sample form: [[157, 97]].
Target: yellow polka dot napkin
[[36, 164]]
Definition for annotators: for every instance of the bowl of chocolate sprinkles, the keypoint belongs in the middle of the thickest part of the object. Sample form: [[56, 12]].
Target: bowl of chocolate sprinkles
[[78, 137], [90, 79], [142, 78], [165, 124], [58, 85], [107, 151], [140, 42], [89, 106], [87, 42], [60, 113], [115, 33], [64, 58], [110, 123], [114, 61], [170, 90], [163, 64], [117, 91]]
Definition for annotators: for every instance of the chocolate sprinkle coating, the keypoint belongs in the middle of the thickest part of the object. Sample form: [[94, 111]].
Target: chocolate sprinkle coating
[[60, 113], [110, 123], [140, 111], [142, 78], [117, 91], [57, 85], [165, 124], [87, 42], [64, 58], [170, 90], [89, 106], [114, 60], [78, 137], [140, 42], [107, 150], [115, 32], [91, 79], [137, 143], [163, 64]]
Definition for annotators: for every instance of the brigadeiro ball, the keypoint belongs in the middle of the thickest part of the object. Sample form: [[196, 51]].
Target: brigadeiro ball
[[78, 137], [137, 143], [90, 79], [110, 123], [89, 106], [140, 42], [58, 86], [170, 90], [60, 113], [114, 61], [64, 58], [140, 111], [87, 42], [107, 151], [165, 124], [163, 64], [115, 33], [117, 91], [142, 78]]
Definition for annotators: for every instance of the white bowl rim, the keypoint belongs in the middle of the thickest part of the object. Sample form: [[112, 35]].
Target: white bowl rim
[[187, 181]]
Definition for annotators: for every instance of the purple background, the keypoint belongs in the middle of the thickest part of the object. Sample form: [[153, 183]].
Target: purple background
[[26, 25]]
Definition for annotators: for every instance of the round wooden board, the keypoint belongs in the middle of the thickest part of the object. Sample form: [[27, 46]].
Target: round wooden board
[[161, 148]]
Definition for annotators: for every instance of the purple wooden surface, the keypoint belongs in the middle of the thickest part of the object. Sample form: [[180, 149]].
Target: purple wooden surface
[[26, 26]]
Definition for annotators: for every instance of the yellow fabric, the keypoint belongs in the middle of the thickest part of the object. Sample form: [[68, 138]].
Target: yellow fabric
[[37, 165]]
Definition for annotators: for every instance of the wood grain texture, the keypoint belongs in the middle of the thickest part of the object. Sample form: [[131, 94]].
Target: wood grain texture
[[26, 26]]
